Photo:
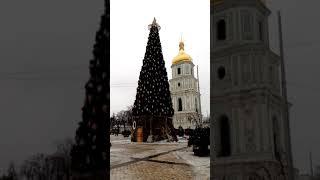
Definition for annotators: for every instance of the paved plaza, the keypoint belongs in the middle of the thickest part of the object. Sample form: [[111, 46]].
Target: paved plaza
[[156, 161]]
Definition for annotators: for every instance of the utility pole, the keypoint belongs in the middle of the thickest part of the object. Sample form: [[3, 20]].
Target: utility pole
[[311, 165], [199, 96], [286, 104]]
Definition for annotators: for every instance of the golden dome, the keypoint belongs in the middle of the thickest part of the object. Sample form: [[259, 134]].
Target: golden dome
[[182, 56]]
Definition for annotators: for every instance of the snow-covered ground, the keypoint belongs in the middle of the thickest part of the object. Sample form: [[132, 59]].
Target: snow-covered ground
[[201, 165], [126, 140], [123, 150]]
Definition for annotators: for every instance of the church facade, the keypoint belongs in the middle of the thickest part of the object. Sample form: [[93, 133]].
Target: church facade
[[185, 94], [249, 126]]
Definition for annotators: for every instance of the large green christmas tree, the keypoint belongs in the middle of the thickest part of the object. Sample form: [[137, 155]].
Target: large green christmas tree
[[153, 105], [89, 156]]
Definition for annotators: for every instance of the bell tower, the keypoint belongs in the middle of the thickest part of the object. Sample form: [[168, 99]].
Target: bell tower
[[185, 91], [248, 128]]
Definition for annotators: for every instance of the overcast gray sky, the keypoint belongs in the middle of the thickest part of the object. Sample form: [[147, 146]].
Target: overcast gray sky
[[45, 47], [302, 46]]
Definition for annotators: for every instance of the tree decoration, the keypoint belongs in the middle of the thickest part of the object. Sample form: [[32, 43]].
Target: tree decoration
[[153, 98]]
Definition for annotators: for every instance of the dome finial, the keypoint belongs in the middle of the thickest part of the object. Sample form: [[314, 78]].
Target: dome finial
[[181, 44], [182, 56]]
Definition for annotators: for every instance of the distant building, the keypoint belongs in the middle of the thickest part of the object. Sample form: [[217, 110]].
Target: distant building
[[185, 94]]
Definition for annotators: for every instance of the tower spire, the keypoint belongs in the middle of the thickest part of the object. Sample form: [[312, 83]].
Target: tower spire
[[181, 44]]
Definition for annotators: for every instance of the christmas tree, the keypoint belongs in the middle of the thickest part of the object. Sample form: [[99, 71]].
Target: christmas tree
[[89, 155], [153, 104]]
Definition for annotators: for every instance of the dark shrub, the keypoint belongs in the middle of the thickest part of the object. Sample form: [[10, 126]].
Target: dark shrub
[[190, 141], [200, 140], [176, 131], [180, 131], [188, 132], [126, 133]]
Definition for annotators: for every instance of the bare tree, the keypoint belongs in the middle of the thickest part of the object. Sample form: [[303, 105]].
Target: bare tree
[[112, 120], [49, 167], [61, 160], [124, 117], [25, 170], [36, 167], [12, 174], [194, 119]]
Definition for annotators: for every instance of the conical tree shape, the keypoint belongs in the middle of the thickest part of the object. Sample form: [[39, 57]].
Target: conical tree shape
[[90, 154], [153, 99], [153, 94]]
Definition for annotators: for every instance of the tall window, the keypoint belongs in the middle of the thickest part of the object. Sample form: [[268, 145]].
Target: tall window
[[225, 141], [179, 70], [247, 23], [196, 104], [276, 139], [260, 31], [221, 31], [179, 104]]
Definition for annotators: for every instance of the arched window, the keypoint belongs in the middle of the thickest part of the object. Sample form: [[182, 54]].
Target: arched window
[[179, 104], [196, 104], [276, 137], [221, 30], [225, 141], [179, 70]]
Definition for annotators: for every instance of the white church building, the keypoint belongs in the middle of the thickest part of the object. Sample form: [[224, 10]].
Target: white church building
[[185, 94]]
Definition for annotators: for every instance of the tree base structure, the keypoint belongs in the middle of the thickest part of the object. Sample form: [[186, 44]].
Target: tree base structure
[[152, 129]]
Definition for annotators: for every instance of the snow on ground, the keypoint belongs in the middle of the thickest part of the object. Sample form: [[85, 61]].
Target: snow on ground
[[201, 165], [123, 150], [127, 140]]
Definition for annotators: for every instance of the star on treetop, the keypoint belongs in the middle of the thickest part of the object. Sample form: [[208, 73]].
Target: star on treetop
[[154, 23]]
